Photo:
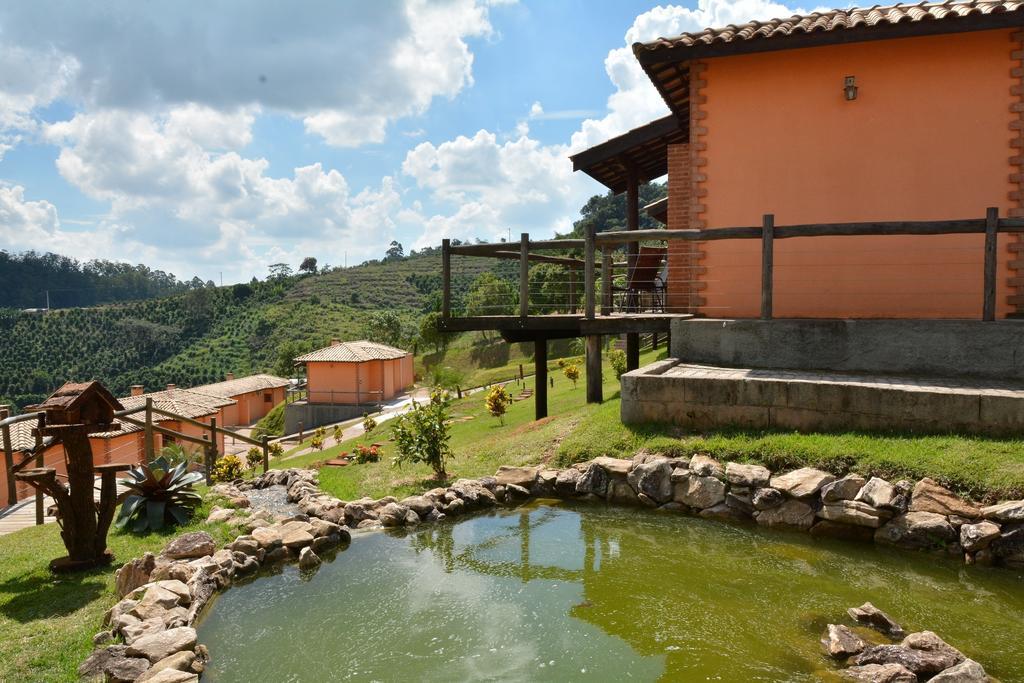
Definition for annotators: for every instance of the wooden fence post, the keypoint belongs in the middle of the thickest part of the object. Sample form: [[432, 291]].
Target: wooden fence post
[[606, 281], [988, 312], [540, 360], [211, 452], [147, 431], [40, 462], [594, 389], [524, 274], [5, 435], [588, 272], [266, 453], [446, 278], [572, 289], [767, 264]]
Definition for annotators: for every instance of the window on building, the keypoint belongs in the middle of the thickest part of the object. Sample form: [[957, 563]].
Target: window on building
[[268, 397]]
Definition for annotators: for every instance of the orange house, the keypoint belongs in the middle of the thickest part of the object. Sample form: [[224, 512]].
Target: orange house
[[356, 372], [254, 396], [905, 113]]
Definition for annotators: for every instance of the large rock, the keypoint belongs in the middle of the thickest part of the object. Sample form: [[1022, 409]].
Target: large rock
[[967, 671], [421, 505], [160, 645], [267, 537], [700, 492], [1009, 547], [566, 482], [394, 514], [844, 488], [134, 574], [706, 466], [174, 676], [802, 483], [190, 545], [751, 476], [296, 538], [520, 476], [793, 514], [614, 466], [1010, 511], [869, 615], [654, 480], [854, 512], [878, 493], [929, 496], [840, 642], [180, 661], [766, 498], [920, 662], [929, 641], [879, 673], [593, 481], [974, 537], [113, 663], [308, 559], [917, 530]]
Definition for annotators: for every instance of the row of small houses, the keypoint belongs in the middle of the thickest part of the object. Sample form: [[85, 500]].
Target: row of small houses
[[354, 373]]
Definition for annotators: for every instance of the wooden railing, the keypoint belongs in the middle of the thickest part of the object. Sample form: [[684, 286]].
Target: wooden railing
[[606, 242]]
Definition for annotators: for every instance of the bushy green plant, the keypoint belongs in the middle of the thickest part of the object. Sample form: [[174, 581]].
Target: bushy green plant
[[369, 424], [254, 457], [158, 493], [422, 434], [572, 373], [227, 468], [175, 454], [276, 450], [617, 357], [365, 454], [338, 433], [497, 402]]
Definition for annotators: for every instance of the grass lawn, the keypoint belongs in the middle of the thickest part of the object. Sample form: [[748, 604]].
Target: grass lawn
[[979, 467], [47, 621]]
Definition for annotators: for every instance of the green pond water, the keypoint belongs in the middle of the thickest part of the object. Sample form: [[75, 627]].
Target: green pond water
[[566, 593]]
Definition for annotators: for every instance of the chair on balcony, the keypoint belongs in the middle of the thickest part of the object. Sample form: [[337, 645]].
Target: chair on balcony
[[645, 286]]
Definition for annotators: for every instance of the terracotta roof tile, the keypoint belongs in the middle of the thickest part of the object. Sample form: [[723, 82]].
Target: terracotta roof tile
[[353, 352], [22, 438], [838, 19], [242, 385]]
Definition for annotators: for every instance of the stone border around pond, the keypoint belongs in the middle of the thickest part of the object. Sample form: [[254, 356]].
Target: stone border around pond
[[163, 595]]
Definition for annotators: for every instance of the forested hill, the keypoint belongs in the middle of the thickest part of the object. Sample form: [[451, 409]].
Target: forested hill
[[197, 335], [31, 280]]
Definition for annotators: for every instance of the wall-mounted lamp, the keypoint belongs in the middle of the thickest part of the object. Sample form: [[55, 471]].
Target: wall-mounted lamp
[[850, 88]]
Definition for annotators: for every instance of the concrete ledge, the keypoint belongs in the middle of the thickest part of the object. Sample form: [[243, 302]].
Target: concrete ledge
[[709, 397], [943, 348], [313, 415]]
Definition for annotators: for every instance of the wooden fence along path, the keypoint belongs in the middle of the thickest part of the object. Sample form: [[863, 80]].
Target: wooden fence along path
[[17, 514]]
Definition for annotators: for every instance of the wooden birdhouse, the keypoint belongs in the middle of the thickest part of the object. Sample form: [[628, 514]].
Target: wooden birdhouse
[[86, 406]]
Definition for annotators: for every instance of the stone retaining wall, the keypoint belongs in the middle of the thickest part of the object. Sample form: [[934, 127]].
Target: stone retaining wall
[[152, 627]]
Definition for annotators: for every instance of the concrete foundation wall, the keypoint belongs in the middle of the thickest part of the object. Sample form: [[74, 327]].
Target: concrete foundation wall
[[313, 415], [943, 348]]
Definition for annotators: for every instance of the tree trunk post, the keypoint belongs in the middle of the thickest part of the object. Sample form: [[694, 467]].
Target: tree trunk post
[[5, 435], [988, 313], [594, 390], [40, 462], [588, 273], [524, 275], [767, 264], [266, 454], [446, 278], [540, 359], [148, 445]]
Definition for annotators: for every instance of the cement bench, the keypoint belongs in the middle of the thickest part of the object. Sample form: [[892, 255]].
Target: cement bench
[[706, 397]]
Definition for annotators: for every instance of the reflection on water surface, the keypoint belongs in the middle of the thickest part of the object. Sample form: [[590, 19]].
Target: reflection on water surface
[[563, 593]]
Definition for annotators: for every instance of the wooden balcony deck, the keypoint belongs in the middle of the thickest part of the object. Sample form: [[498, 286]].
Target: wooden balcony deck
[[517, 328]]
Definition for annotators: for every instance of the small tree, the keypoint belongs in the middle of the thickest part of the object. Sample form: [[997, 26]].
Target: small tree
[[497, 402], [308, 265], [338, 433], [617, 357], [422, 434], [369, 424], [276, 450], [254, 457], [279, 271], [319, 437], [572, 373], [394, 252]]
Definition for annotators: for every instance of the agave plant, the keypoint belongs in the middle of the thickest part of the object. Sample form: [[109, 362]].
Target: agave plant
[[158, 492]]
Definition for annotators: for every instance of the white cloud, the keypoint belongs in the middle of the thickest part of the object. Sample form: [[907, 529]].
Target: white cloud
[[21, 219], [347, 69], [635, 100]]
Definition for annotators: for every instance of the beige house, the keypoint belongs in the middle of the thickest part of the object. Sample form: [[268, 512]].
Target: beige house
[[357, 372]]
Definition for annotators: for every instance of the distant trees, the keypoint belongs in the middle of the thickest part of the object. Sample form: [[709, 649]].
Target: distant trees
[[308, 265], [394, 252], [430, 331], [279, 271], [490, 295], [608, 211], [386, 327]]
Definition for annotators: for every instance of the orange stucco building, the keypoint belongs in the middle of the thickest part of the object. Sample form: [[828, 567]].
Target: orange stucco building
[[356, 372], [907, 113]]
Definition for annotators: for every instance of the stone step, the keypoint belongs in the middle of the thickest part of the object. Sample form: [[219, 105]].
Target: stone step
[[704, 396]]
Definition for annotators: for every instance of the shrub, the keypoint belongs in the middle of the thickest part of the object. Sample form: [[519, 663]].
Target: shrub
[[572, 373], [365, 454], [254, 457], [227, 468], [497, 402], [369, 424], [422, 434], [338, 433], [276, 450], [617, 357], [175, 454], [158, 493]]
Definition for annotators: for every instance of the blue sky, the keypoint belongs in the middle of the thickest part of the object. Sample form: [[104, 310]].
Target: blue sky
[[239, 134]]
